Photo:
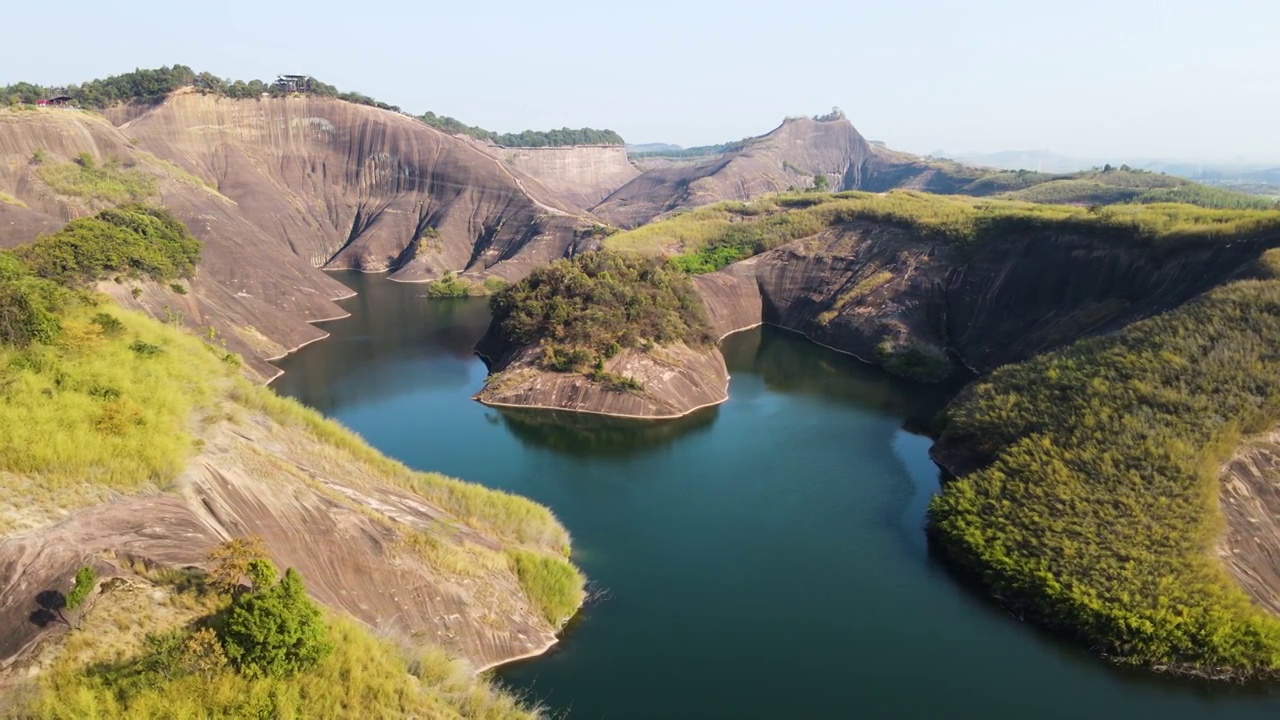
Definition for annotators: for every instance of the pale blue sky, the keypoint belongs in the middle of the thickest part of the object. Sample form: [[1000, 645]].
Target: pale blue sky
[[1193, 79]]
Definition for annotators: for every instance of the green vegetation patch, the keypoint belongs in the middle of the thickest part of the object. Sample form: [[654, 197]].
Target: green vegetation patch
[[7, 199], [110, 182], [586, 309], [327, 668], [553, 584], [93, 398], [87, 410], [711, 238], [1097, 511], [132, 240]]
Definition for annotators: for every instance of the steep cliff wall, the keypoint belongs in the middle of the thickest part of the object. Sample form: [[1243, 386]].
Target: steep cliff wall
[[349, 186], [857, 287], [579, 176]]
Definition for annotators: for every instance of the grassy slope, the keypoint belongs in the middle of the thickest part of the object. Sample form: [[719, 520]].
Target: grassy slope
[[104, 675], [1098, 511], [112, 403], [710, 238]]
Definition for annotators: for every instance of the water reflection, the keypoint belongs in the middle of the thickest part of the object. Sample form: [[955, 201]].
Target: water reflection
[[582, 435], [379, 352], [788, 363]]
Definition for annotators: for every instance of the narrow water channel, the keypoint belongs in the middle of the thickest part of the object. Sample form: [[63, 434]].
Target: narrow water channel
[[764, 559]]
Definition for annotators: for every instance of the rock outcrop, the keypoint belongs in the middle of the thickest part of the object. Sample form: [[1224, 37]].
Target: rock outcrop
[[789, 156], [670, 381], [1249, 495], [258, 476]]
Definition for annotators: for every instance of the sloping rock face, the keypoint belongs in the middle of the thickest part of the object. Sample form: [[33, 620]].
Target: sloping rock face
[[674, 380], [579, 176], [857, 287], [349, 186], [258, 477], [278, 188], [789, 156], [1249, 495]]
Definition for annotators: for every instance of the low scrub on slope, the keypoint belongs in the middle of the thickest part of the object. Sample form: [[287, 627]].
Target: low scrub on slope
[[190, 671], [108, 183], [1096, 512], [586, 309], [128, 241], [710, 238]]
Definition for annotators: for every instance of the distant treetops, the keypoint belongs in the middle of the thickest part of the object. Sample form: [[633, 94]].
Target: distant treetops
[[153, 86]]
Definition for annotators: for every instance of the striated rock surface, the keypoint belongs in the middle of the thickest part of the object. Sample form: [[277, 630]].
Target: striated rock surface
[[1249, 495], [789, 156], [256, 476], [279, 188], [578, 176], [674, 380]]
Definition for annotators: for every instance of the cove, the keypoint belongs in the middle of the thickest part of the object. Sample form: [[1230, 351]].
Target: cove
[[765, 558]]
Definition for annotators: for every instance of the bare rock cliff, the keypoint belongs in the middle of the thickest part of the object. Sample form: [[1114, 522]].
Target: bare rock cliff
[[279, 188], [789, 156], [579, 176], [857, 287]]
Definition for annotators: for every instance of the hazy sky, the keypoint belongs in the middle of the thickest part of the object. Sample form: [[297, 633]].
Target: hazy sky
[[1193, 79]]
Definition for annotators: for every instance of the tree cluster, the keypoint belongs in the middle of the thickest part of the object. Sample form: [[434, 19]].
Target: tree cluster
[[586, 309]]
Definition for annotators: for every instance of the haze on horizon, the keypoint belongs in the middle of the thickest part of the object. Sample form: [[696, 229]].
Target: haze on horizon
[[1179, 79]]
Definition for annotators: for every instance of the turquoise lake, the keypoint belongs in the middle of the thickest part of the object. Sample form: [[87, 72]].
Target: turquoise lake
[[763, 559]]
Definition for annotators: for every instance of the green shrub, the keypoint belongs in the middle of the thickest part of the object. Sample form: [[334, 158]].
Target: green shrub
[[145, 349], [914, 362], [450, 286], [178, 288], [274, 630], [133, 240], [29, 310], [494, 285], [110, 324]]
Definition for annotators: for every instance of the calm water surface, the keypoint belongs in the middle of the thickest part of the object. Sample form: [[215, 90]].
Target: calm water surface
[[764, 559]]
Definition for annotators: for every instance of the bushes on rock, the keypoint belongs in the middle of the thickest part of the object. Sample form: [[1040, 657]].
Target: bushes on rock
[[1096, 511], [133, 240], [586, 309], [274, 630]]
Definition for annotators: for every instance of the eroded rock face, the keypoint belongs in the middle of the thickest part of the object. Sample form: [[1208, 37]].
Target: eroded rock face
[[278, 188], [857, 287], [789, 156], [578, 176], [673, 380], [1249, 495], [257, 477]]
